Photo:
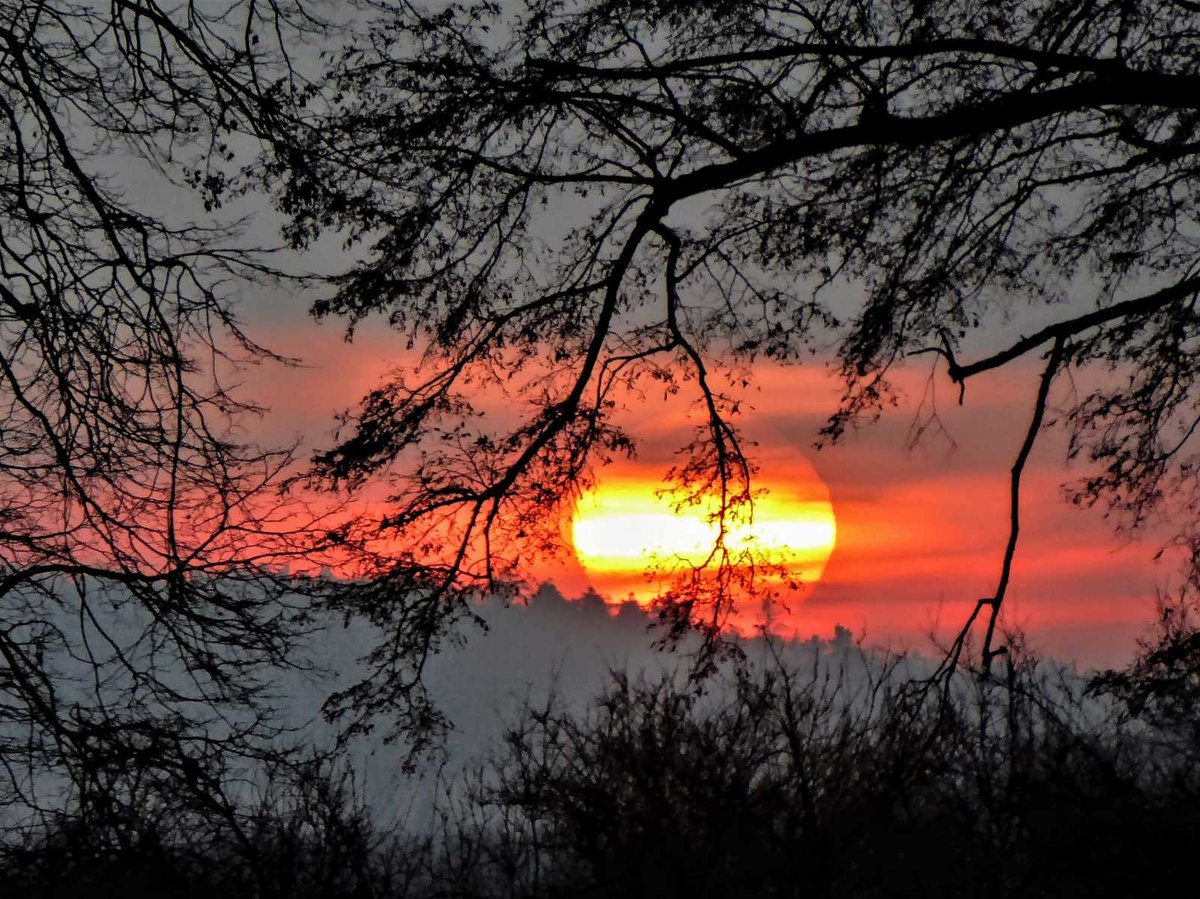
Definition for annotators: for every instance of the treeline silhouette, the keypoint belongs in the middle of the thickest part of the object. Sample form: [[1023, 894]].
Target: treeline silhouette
[[847, 777]]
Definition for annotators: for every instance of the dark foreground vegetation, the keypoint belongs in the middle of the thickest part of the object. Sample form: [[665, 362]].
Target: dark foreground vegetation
[[848, 777]]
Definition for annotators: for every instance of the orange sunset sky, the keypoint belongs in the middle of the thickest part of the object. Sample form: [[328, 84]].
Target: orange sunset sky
[[920, 532]]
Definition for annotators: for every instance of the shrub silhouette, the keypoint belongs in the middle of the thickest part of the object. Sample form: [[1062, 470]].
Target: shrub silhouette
[[833, 782], [847, 777]]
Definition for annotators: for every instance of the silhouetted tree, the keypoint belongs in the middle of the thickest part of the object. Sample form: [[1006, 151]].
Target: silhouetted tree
[[560, 202], [829, 778], [144, 596], [308, 833], [826, 780], [1162, 685]]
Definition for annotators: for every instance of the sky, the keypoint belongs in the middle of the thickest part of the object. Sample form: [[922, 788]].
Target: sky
[[920, 530]]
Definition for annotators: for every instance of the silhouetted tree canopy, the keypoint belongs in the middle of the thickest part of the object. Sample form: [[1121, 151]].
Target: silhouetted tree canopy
[[558, 205], [566, 202], [143, 547]]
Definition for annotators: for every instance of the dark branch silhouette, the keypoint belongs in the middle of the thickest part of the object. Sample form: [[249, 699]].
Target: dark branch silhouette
[[145, 596], [885, 178]]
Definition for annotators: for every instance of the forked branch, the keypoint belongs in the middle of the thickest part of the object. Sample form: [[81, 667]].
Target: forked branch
[[995, 602]]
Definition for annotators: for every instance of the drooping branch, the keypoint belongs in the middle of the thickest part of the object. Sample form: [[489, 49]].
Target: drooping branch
[[730, 466], [993, 603], [144, 545], [1014, 508]]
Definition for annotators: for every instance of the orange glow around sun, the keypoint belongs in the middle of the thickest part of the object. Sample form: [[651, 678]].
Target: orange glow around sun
[[625, 527]]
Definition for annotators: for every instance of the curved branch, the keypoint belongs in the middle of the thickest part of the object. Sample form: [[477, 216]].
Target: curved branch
[[1014, 514], [1061, 331], [1007, 111], [993, 603]]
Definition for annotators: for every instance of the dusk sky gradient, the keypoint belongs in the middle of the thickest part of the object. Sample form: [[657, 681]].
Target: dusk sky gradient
[[921, 530]]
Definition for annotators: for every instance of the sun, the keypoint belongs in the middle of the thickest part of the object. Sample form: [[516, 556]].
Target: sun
[[625, 526]]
